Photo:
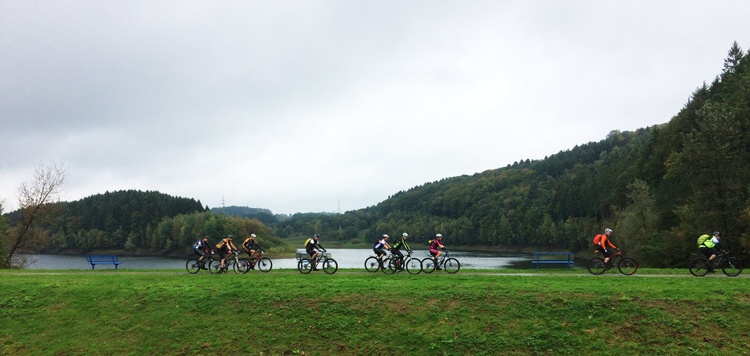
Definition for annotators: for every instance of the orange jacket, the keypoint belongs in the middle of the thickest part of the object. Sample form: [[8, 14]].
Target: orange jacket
[[605, 241]]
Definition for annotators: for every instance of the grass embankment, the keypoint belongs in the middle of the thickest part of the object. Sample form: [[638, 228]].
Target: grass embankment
[[352, 312]]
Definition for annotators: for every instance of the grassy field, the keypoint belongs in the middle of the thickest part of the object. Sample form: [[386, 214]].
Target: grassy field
[[551, 312]]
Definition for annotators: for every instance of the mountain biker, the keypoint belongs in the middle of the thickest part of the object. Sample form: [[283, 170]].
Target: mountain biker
[[225, 247], [604, 245], [202, 249], [251, 247], [396, 249], [709, 247], [436, 248], [313, 246], [379, 245]]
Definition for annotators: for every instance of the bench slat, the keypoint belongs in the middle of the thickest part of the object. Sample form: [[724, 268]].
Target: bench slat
[[538, 259]]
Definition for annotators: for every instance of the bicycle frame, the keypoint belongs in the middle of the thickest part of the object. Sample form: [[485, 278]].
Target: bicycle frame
[[625, 265], [700, 266], [450, 264]]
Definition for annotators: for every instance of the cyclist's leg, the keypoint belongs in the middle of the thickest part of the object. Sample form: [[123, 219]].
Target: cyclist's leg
[[313, 258]]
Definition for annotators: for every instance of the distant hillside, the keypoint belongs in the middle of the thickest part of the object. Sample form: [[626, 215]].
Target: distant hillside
[[659, 187], [263, 215]]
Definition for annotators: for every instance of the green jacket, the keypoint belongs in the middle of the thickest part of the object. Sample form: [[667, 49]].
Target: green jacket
[[401, 243]]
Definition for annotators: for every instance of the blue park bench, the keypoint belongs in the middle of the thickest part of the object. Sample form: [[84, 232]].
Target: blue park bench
[[102, 260], [541, 258]]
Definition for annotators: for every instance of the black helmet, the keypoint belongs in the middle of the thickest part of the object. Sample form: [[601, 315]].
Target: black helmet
[[716, 233], [230, 237], [316, 236]]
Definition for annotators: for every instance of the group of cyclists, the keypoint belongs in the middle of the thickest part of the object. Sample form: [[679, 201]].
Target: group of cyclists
[[381, 245], [709, 246], [225, 248]]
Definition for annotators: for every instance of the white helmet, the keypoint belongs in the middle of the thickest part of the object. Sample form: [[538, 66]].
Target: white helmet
[[404, 234]]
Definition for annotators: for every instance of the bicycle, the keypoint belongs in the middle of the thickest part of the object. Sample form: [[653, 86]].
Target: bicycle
[[329, 265], [239, 265], [625, 265], [450, 264], [731, 266], [395, 264], [193, 265], [263, 263]]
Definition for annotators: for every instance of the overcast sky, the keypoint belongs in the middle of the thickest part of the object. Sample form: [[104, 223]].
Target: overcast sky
[[309, 106]]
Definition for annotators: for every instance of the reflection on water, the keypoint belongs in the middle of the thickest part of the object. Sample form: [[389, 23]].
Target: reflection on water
[[346, 258]]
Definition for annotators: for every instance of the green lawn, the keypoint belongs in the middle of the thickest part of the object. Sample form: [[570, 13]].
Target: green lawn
[[553, 311]]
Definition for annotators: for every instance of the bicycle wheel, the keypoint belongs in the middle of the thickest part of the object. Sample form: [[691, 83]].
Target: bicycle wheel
[[596, 266], [214, 266], [731, 267], [451, 265], [241, 266], [414, 266], [390, 266], [698, 267], [330, 266], [372, 264], [193, 266], [627, 266], [428, 265], [264, 264], [304, 266]]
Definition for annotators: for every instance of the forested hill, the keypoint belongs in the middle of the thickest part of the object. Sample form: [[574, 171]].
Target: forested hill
[[111, 219], [658, 187]]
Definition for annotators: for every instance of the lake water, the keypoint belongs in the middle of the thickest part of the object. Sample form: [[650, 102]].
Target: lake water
[[346, 258]]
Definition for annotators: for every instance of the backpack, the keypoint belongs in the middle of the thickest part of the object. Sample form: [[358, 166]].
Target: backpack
[[597, 239], [702, 239], [307, 242]]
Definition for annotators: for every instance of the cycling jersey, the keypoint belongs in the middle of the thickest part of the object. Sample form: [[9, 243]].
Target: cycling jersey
[[200, 245], [401, 243], [380, 244]]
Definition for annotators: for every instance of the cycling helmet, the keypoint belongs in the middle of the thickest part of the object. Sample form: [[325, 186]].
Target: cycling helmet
[[439, 235], [252, 236], [607, 230], [230, 237], [385, 236], [716, 233], [405, 235], [316, 236]]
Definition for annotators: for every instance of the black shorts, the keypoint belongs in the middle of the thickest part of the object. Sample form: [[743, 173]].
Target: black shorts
[[708, 251], [200, 252], [379, 251], [311, 252], [604, 251], [224, 252]]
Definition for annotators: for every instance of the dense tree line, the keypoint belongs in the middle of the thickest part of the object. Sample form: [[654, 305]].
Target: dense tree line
[[139, 222], [659, 187]]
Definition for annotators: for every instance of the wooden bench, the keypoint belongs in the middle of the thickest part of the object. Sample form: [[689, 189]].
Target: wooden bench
[[102, 260], [542, 258]]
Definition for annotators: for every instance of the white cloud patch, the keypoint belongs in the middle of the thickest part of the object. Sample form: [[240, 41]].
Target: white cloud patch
[[328, 105]]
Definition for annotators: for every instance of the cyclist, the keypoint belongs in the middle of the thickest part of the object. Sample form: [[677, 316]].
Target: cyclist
[[436, 248], [396, 249], [603, 244], [380, 245], [251, 247], [202, 249], [313, 246], [708, 245], [225, 247]]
